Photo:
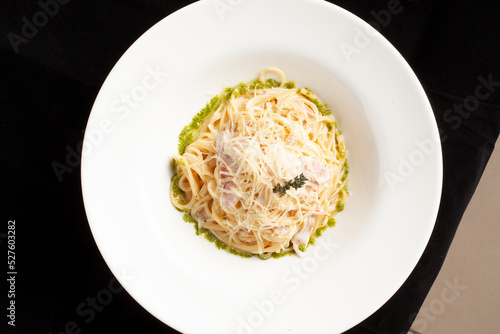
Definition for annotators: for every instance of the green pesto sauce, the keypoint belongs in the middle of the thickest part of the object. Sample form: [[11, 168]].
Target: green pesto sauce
[[337, 127], [176, 190], [242, 88], [323, 108], [346, 171], [191, 131], [319, 232], [281, 254], [345, 189], [342, 152]]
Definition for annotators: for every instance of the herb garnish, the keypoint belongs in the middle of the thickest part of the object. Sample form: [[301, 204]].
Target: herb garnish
[[295, 183]]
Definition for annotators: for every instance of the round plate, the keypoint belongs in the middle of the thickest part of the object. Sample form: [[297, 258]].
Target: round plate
[[168, 75]]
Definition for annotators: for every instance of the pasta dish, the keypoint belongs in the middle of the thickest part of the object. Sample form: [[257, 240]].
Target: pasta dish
[[262, 168]]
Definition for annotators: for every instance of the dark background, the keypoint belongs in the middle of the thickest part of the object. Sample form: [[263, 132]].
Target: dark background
[[48, 83]]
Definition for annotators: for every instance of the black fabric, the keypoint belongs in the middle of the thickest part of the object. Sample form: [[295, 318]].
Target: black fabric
[[50, 80]]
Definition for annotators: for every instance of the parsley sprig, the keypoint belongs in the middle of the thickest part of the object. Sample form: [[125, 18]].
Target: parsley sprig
[[295, 183]]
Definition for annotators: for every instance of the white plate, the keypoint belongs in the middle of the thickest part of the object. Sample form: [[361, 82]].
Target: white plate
[[158, 86]]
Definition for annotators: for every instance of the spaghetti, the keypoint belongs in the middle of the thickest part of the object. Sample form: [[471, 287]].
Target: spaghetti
[[262, 167]]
